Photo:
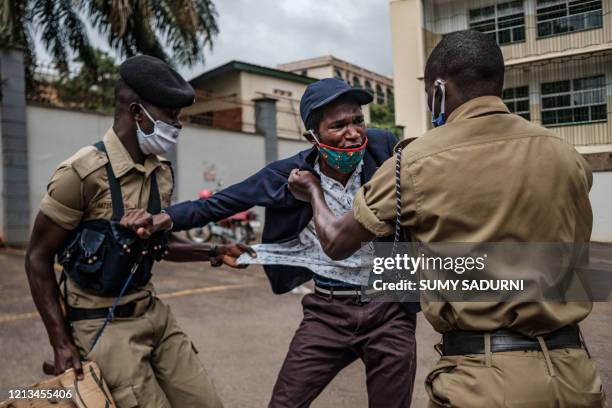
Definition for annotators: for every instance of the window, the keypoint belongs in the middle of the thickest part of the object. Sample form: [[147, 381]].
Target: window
[[368, 87], [205, 118], [338, 74], [282, 92], [380, 95], [556, 17], [517, 100], [505, 22], [390, 99], [574, 101], [356, 82]]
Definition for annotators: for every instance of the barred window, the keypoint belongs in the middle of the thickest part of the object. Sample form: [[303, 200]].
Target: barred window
[[380, 95], [517, 101], [575, 101], [505, 22], [556, 17], [390, 99]]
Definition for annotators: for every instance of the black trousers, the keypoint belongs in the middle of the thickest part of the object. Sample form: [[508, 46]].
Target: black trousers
[[333, 334]]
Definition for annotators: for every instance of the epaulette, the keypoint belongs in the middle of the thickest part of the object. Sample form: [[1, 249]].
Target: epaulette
[[87, 160], [163, 159], [166, 163]]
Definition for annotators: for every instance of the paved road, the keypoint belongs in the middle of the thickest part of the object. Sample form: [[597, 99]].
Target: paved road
[[241, 329]]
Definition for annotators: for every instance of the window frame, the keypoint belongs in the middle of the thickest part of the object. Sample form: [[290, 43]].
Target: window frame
[[496, 22], [379, 95], [571, 93], [585, 18], [514, 99]]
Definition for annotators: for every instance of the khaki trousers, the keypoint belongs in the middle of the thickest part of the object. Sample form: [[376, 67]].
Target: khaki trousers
[[147, 361], [526, 379]]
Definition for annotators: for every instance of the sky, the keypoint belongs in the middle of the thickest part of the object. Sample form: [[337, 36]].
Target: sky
[[270, 32]]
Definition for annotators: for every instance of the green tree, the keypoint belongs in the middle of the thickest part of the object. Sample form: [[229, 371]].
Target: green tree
[[383, 117], [87, 90], [130, 27]]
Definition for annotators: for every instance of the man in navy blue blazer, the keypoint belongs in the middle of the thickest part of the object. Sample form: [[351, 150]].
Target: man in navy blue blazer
[[338, 327]]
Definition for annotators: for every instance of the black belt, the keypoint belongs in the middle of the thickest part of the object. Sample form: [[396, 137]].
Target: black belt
[[76, 313], [461, 342]]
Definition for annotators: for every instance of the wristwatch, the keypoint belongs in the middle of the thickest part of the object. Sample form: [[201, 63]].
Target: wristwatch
[[212, 254], [171, 221]]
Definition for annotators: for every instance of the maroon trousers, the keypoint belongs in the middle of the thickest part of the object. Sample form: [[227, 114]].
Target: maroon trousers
[[333, 334]]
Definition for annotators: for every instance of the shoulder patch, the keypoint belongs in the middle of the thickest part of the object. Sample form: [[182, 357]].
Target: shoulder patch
[[87, 160]]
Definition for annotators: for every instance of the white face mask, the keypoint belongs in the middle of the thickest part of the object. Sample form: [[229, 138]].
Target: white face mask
[[161, 140]]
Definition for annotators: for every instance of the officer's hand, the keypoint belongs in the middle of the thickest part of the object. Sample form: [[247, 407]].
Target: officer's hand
[[145, 224], [302, 184], [66, 357], [227, 254], [139, 221]]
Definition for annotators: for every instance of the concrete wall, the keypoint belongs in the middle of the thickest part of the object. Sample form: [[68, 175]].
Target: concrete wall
[[53, 136], [1, 185], [14, 149], [254, 86], [220, 94], [601, 201], [206, 156], [319, 72]]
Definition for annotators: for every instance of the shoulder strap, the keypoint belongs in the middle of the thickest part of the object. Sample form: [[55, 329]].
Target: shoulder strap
[[171, 174], [113, 183], [154, 206], [398, 198]]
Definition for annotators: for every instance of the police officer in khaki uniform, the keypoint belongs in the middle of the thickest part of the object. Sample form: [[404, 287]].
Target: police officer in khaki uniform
[[482, 175], [144, 356]]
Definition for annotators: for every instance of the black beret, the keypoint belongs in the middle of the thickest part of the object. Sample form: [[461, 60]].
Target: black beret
[[155, 82]]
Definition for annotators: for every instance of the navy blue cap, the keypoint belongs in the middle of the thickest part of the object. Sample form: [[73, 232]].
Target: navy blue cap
[[325, 91]]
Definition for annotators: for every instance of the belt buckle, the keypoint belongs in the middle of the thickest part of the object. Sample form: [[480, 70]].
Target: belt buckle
[[141, 306], [330, 295]]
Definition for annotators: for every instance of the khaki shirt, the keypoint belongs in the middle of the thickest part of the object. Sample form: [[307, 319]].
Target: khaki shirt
[[79, 191], [486, 176]]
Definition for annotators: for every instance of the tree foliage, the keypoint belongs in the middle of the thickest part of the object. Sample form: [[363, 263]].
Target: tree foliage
[[383, 117], [87, 90], [130, 27]]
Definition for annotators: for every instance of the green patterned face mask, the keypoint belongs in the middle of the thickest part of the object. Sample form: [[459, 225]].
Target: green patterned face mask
[[343, 160]]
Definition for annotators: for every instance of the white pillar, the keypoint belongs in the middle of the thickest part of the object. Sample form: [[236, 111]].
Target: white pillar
[[408, 66]]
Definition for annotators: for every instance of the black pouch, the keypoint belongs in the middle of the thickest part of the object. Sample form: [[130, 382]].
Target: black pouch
[[102, 254]]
